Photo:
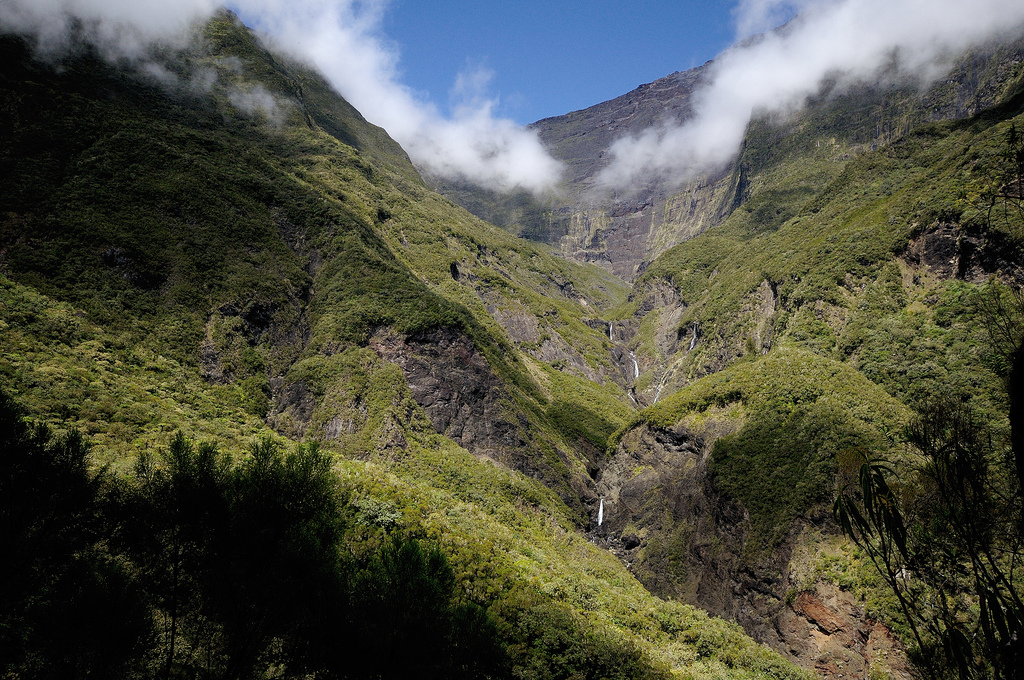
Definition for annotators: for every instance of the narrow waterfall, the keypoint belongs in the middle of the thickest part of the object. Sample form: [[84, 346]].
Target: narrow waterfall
[[610, 332], [693, 342], [600, 513], [636, 366]]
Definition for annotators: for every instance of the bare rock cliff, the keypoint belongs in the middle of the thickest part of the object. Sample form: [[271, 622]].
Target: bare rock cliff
[[685, 539]]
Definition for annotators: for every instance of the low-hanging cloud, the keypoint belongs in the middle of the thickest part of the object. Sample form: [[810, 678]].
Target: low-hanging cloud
[[119, 28], [256, 100], [343, 39], [844, 40]]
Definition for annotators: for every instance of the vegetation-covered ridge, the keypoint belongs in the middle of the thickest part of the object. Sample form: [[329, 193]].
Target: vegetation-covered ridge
[[212, 259], [848, 256], [849, 295], [292, 362], [435, 561], [232, 212], [793, 416]]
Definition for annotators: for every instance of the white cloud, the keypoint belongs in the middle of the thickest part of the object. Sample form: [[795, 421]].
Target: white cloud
[[759, 16], [257, 100], [850, 39], [343, 39], [846, 39], [121, 28]]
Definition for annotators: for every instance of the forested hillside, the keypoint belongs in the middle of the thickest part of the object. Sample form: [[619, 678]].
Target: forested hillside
[[272, 407], [208, 258]]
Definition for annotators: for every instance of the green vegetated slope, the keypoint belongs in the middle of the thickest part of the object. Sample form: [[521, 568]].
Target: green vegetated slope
[[845, 290], [838, 150], [792, 417], [212, 241], [205, 201], [817, 256], [561, 605]]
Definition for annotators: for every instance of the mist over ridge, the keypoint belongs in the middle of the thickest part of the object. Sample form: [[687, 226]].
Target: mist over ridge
[[841, 41], [344, 41]]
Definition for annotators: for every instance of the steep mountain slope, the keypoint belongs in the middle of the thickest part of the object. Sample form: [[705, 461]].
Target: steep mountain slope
[[795, 332], [211, 241], [860, 229], [619, 235], [289, 254], [625, 233]]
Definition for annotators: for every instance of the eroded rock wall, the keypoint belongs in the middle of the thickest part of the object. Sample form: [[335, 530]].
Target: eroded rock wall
[[465, 400], [686, 540]]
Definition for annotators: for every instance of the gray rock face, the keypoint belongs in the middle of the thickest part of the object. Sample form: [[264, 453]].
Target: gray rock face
[[465, 400], [949, 251], [689, 537], [579, 139], [622, 232], [625, 231], [453, 383], [684, 539]]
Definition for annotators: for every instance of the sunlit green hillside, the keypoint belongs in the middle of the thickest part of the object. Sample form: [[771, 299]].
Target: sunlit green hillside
[[219, 246], [315, 396]]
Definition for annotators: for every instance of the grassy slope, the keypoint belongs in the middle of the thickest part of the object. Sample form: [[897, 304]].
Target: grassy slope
[[859, 335], [143, 223], [180, 210], [828, 246], [511, 540], [795, 417]]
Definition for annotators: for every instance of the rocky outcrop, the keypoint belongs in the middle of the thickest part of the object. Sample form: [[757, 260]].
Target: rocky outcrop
[[460, 393], [684, 539], [541, 342], [465, 400], [689, 538], [666, 349], [762, 312], [977, 81], [825, 629], [948, 251]]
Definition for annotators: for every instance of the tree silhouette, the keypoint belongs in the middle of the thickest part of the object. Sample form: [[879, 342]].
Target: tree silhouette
[[67, 608]]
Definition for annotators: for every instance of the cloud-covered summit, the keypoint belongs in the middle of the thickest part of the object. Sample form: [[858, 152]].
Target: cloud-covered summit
[[343, 39], [842, 41], [845, 41]]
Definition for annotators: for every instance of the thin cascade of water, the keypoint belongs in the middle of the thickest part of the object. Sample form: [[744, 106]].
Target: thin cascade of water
[[610, 332], [600, 513], [636, 366]]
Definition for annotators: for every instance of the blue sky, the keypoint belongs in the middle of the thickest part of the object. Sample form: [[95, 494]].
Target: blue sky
[[549, 58]]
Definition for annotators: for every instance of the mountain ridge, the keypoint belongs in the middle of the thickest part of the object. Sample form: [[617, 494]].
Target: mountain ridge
[[223, 266], [223, 262], [625, 234]]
